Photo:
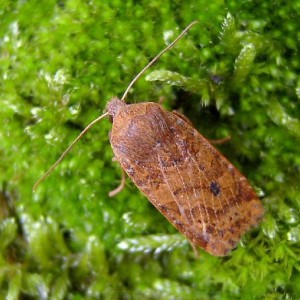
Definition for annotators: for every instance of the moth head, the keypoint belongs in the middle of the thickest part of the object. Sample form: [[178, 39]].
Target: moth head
[[114, 106]]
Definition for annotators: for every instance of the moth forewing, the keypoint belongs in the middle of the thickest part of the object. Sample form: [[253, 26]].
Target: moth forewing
[[184, 176]]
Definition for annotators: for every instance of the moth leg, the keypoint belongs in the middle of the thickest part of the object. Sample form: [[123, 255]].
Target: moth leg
[[161, 100], [220, 141], [120, 187], [195, 249]]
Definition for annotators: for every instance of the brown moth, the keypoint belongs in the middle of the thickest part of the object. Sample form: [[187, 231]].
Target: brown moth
[[190, 182]]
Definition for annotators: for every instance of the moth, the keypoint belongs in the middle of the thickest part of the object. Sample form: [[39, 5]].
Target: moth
[[189, 181]]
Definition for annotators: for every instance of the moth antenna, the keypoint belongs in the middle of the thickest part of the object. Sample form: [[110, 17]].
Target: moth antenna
[[106, 114], [83, 132], [156, 58]]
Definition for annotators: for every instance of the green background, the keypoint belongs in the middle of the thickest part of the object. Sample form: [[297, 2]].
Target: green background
[[236, 73]]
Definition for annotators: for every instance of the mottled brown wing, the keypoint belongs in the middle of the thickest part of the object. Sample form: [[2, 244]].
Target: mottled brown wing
[[186, 179]]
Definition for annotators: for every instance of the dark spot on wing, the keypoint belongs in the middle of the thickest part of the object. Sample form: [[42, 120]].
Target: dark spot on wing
[[215, 188]]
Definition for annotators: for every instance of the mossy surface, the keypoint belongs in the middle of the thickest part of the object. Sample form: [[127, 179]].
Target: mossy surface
[[236, 73]]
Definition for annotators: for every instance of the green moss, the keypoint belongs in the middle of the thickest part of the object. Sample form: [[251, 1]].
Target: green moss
[[236, 73]]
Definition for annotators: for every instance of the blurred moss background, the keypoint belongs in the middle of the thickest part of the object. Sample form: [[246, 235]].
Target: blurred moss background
[[235, 73]]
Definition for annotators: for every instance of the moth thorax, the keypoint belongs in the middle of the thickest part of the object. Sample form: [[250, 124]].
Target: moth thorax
[[114, 106]]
